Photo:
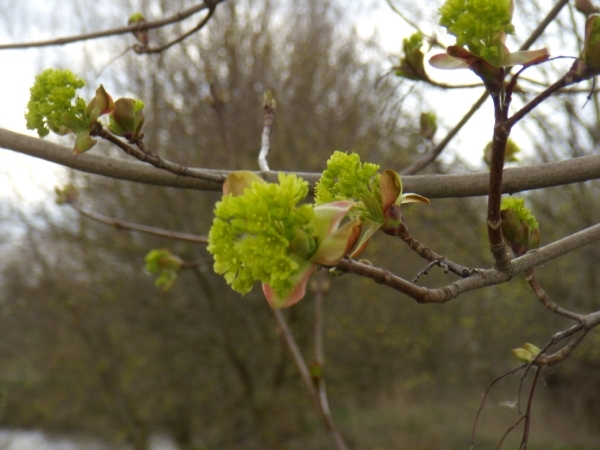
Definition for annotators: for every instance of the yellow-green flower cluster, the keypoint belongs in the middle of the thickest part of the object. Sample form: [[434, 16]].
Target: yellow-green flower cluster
[[347, 179], [51, 101], [262, 235], [480, 25]]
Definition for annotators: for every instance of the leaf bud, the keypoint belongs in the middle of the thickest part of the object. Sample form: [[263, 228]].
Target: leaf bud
[[522, 355], [127, 118], [533, 349], [101, 104], [591, 47], [586, 7], [142, 36]]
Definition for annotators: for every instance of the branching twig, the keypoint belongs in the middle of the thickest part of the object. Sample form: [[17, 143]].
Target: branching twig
[[481, 277], [429, 255], [427, 159], [487, 391], [140, 26], [528, 411], [156, 161], [429, 266], [545, 298], [211, 9], [512, 427]]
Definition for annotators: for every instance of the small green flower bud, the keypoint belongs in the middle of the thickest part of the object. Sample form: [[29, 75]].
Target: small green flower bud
[[269, 102], [303, 244]]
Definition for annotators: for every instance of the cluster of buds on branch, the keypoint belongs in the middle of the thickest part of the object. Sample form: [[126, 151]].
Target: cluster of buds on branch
[[54, 106]]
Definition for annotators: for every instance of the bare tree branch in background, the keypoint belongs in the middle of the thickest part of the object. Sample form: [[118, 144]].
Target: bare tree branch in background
[[140, 26]]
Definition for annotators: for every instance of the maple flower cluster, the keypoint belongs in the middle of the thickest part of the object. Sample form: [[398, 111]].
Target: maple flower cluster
[[262, 233]]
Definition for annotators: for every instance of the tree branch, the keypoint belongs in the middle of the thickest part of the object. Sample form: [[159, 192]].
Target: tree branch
[[519, 179], [211, 10], [480, 278]]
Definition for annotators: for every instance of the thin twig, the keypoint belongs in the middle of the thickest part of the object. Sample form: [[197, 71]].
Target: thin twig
[[429, 266], [425, 160], [407, 20], [290, 342], [512, 427], [269, 109], [211, 9], [156, 161], [334, 431], [140, 26], [481, 277], [429, 255], [528, 411], [123, 225], [487, 391], [545, 298]]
